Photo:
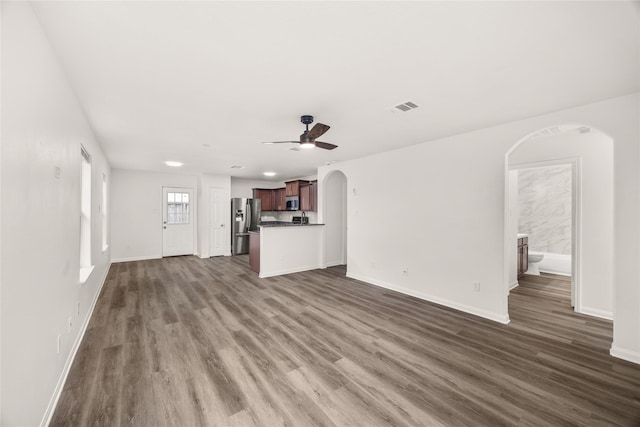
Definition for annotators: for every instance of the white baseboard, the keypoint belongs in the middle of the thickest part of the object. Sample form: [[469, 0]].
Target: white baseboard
[[136, 258], [514, 285], [595, 312], [625, 354], [441, 301], [289, 271], [46, 419]]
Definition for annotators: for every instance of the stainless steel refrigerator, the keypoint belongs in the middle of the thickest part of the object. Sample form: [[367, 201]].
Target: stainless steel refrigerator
[[245, 217]]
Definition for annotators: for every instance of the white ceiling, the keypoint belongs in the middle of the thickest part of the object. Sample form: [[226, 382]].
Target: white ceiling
[[158, 80]]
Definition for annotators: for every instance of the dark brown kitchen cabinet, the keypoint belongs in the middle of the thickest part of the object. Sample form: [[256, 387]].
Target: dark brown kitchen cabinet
[[279, 199], [254, 251], [305, 197], [523, 255], [313, 190], [293, 187], [266, 196], [309, 196]]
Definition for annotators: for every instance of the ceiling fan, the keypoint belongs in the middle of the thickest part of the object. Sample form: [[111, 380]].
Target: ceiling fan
[[308, 137]]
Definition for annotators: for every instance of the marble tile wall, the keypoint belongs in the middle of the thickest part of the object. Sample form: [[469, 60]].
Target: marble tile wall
[[544, 204]]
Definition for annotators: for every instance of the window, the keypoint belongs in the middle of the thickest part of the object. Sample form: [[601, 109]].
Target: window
[[103, 211], [85, 216], [178, 208]]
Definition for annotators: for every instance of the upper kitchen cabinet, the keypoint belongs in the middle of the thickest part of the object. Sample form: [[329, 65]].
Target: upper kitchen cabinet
[[279, 199], [313, 190], [293, 187], [309, 196], [266, 196]]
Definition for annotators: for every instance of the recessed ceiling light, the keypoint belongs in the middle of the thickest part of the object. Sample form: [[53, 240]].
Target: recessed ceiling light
[[269, 173], [173, 164], [206, 145]]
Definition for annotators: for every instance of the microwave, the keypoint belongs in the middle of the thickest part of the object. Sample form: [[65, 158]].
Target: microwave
[[293, 203]]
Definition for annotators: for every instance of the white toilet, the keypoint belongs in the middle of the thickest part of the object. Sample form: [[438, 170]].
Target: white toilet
[[534, 259]]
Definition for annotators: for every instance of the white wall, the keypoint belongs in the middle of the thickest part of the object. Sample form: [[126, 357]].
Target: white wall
[[43, 127], [1, 9], [457, 186], [136, 205], [595, 151], [244, 187]]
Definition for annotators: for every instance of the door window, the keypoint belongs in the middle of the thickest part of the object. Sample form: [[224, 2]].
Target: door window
[[178, 208]]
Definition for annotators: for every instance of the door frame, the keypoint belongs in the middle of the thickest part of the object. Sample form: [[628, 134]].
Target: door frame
[[576, 221], [193, 218]]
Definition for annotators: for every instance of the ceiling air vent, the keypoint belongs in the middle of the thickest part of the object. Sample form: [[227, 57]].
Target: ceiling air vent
[[237, 167], [404, 107]]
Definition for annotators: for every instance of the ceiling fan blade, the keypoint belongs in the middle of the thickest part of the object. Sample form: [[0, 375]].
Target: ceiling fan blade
[[318, 130], [325, 145], [282, 142]]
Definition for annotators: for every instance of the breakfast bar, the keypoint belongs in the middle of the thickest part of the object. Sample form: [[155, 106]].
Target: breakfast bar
[[283, 248]]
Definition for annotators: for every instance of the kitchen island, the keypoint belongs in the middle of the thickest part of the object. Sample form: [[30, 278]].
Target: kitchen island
[[283, 247]]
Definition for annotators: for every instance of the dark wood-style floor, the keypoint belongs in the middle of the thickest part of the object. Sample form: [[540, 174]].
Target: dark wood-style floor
[[191, 342]]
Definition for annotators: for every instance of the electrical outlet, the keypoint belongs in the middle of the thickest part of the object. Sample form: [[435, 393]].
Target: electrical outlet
[[58, 341], [405, 271], [476, 286]]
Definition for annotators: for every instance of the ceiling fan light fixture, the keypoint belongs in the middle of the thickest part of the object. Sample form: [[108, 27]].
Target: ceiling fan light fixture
[[307, 145], [309, 138]]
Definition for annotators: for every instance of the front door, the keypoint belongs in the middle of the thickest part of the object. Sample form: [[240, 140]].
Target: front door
[[177, 221], [219, 238]]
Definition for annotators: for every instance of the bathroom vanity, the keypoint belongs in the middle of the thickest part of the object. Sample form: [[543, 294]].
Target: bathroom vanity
[[523, 253]]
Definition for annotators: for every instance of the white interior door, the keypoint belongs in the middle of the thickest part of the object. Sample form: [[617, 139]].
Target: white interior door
[[218, 238], [177, 221]]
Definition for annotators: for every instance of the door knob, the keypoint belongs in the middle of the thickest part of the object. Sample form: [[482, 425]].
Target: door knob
[[221, 225], [165, 227]]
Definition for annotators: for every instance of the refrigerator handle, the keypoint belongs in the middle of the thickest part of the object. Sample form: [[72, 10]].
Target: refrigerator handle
[[247, 222]]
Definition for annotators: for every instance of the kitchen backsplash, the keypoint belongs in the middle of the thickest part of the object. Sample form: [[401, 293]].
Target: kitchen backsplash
[[286, 216], [544, 204]]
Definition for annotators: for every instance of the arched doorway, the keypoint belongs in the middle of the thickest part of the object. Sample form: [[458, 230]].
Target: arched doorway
[[588, 153], [335, 218]]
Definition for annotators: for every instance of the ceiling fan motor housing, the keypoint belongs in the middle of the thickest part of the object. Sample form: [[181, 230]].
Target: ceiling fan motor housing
[[306, 120]]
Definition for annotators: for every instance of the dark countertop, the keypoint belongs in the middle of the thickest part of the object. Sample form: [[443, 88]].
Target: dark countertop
[[284, 224]]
